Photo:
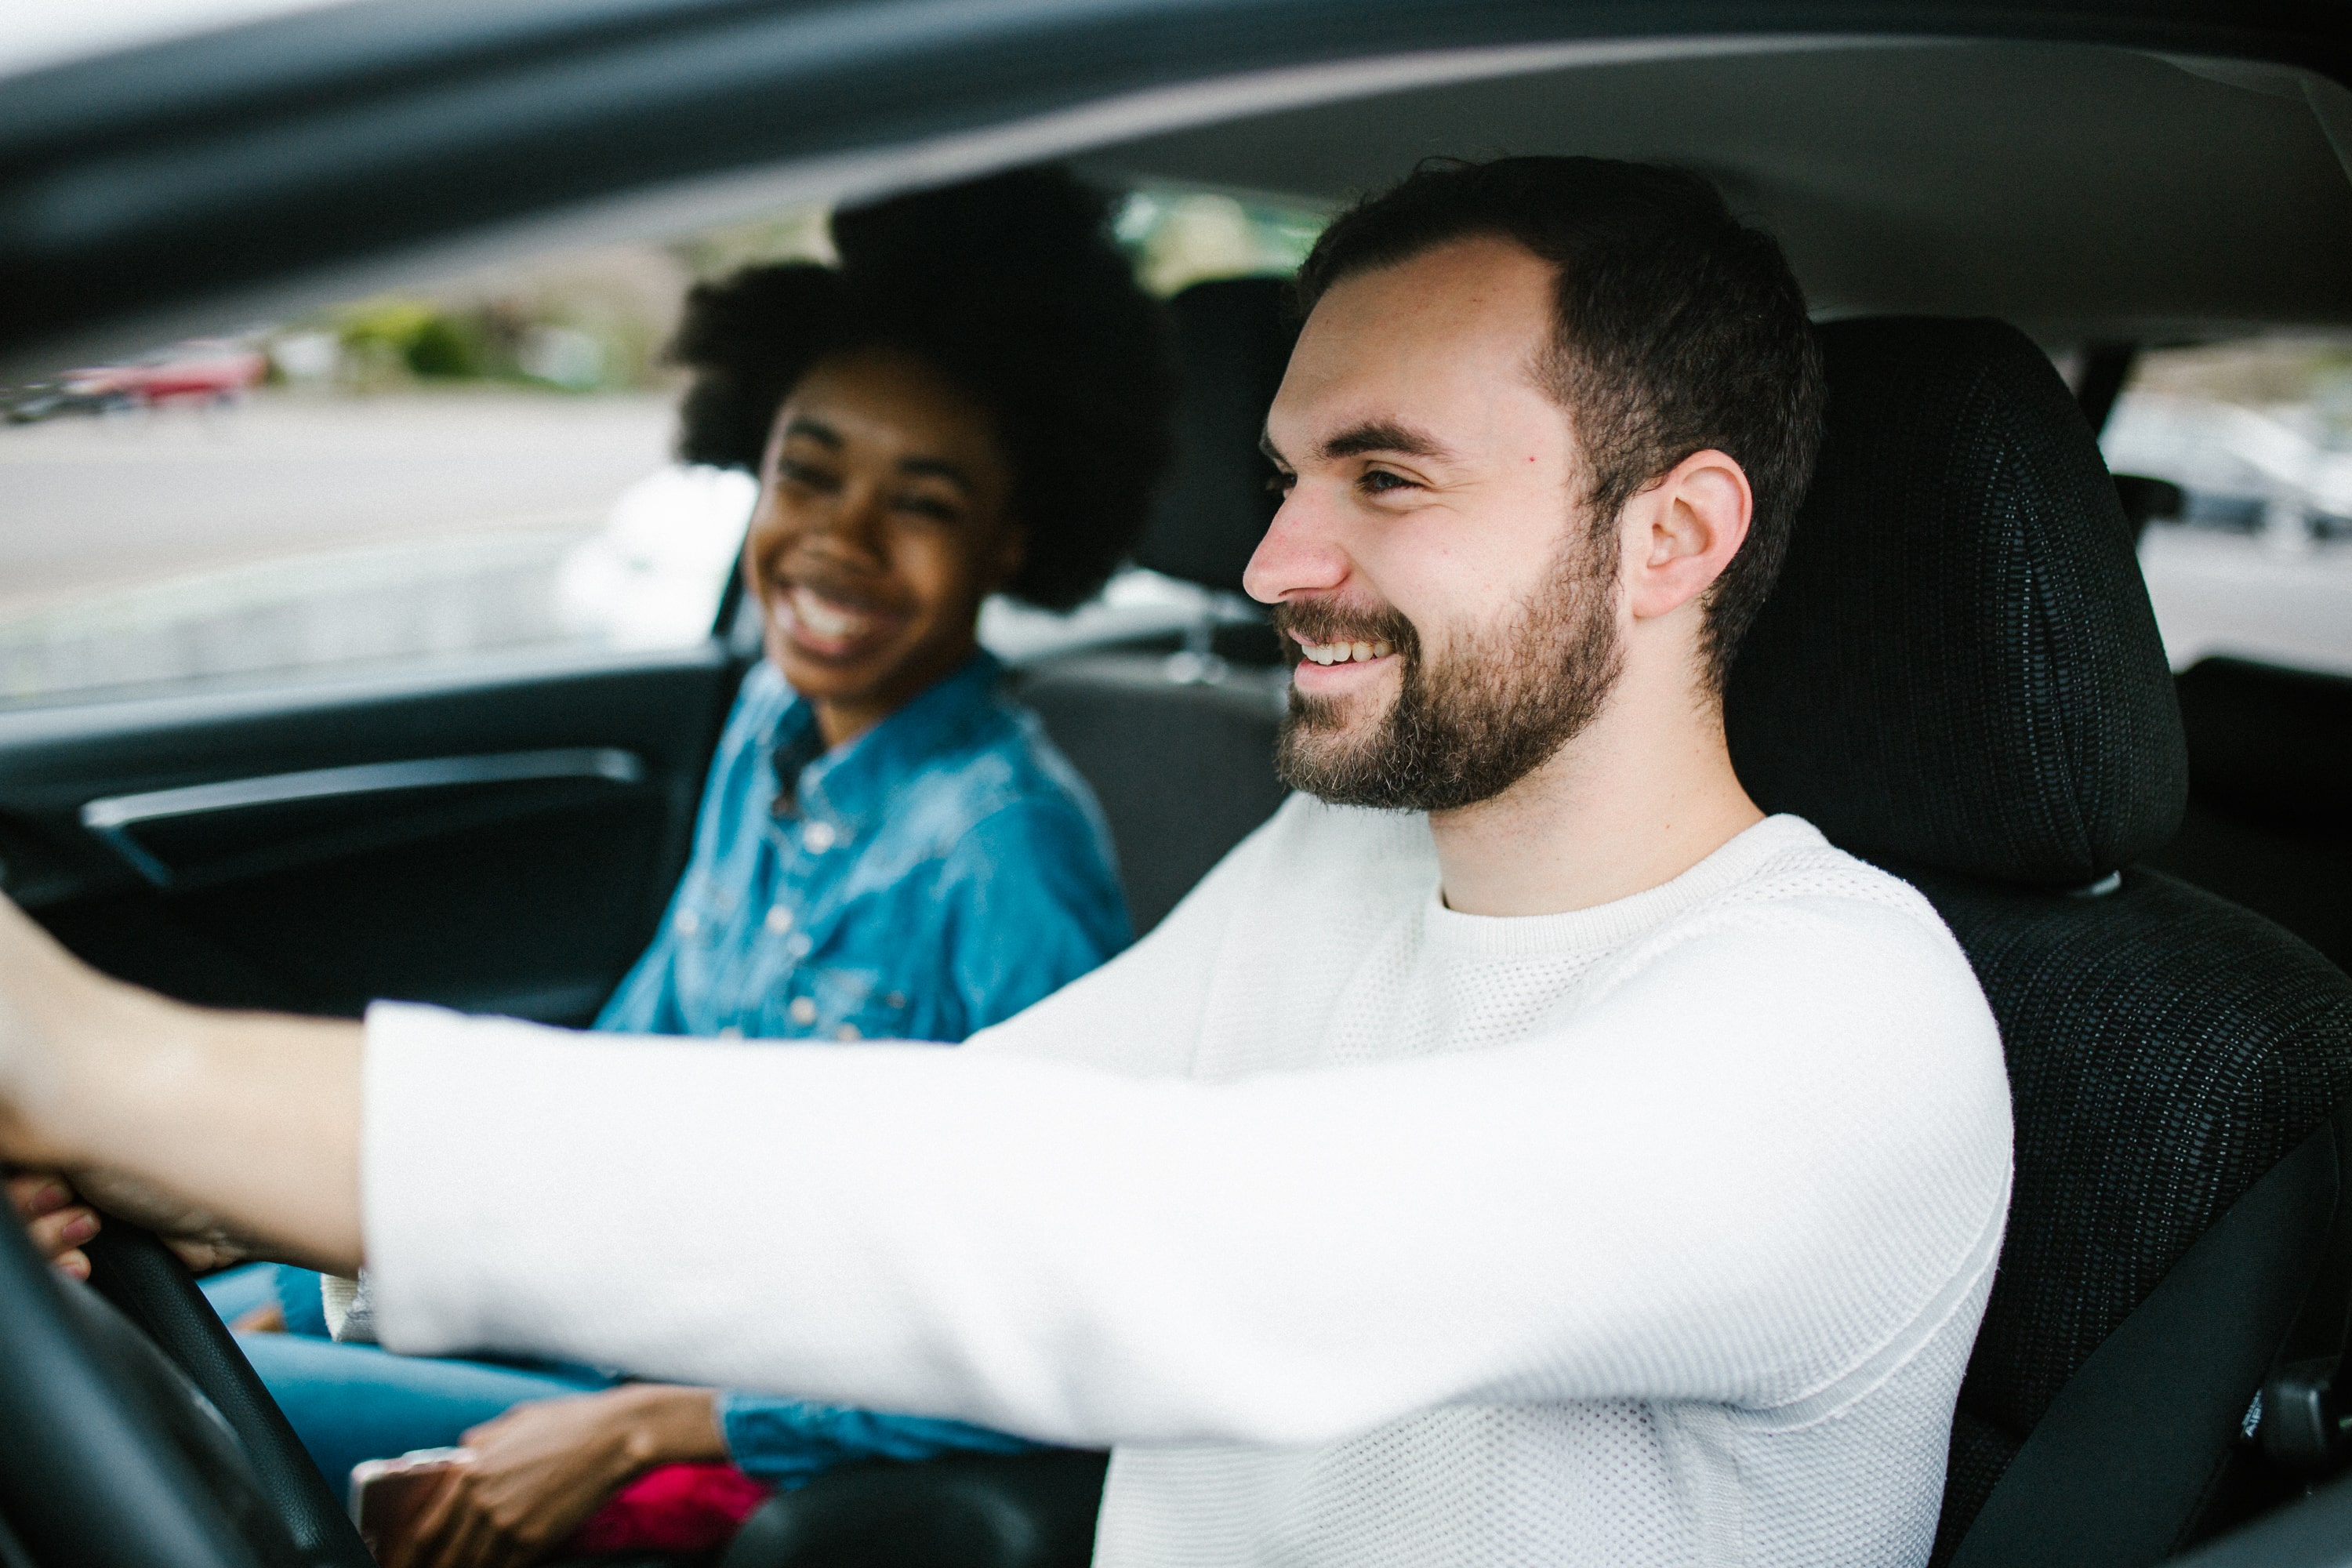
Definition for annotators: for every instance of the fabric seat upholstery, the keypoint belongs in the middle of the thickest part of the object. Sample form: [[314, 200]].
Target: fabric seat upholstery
[[1181, 752], [1959, 677]]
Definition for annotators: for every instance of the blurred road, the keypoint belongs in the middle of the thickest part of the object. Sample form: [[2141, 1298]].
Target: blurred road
[[111, 502]]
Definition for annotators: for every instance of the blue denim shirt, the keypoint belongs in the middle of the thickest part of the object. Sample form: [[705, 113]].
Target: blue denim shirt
[[937, 874]]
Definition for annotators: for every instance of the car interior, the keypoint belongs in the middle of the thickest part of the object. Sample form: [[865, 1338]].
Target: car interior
[[1960, 676]]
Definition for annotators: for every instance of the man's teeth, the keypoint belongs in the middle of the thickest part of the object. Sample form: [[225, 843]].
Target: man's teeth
[[825, 618], [1344, 652]]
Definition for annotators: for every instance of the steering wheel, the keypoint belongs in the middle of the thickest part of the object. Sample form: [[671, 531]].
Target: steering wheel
[[137, 1433]]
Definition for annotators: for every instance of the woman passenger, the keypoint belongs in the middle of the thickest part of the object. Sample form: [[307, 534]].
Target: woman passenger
[[973, 401]]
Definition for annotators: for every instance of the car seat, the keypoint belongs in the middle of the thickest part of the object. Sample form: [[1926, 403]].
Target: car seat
[[1179, 745], [1958, 677], [2270, 795]]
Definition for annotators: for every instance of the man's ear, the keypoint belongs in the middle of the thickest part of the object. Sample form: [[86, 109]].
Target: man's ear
[[1683, 531]]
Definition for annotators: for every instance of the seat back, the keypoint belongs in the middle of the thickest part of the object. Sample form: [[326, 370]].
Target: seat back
[[1958, 677], [1179, 749]]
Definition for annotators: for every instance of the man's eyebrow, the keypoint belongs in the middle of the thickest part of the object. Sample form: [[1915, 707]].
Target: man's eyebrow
[[937, 469], [816, 430], [1383, 436]]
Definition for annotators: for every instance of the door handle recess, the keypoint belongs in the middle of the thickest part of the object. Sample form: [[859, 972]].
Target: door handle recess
[[113, 817]]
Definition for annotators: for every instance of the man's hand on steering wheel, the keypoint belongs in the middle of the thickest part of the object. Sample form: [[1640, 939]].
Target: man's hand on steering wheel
[[59, 1221], [55, 1217]]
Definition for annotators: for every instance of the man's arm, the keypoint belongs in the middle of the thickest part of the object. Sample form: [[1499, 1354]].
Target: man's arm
[[1771, 1160], [1750, 1173], [237, 1129]]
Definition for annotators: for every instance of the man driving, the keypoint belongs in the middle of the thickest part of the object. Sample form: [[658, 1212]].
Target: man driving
[[1520, 1150]]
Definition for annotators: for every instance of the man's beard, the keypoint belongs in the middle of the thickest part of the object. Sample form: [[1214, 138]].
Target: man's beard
[[1501, 704]]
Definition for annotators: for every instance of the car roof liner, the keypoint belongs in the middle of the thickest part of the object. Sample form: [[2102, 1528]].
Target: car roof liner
[[186, 184]]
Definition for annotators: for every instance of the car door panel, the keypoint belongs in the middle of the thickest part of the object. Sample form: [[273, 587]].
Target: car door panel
[[499, 838]]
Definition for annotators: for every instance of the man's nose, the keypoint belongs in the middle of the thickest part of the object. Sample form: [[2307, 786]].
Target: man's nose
[[1299, 554]]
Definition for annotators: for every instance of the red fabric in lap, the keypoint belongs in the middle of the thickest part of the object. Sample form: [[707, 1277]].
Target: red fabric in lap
[[670, 1508]]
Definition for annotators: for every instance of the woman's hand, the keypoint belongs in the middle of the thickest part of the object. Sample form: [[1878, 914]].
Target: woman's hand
[[541, 1468], [55, 1217]]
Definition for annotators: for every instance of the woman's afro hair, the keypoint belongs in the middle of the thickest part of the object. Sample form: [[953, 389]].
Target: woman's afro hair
[[1011, 288]]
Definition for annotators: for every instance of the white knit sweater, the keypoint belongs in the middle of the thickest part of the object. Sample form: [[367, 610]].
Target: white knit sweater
[[1371, 1233]]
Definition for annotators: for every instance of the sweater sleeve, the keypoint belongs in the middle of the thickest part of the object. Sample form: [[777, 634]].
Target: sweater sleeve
[[1761, 1170]]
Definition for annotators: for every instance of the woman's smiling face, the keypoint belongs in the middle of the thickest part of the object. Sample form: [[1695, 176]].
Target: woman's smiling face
[[883, 523]]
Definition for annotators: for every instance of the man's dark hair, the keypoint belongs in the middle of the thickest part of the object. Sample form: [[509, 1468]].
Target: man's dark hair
[[1011, 289], [1676, 328]]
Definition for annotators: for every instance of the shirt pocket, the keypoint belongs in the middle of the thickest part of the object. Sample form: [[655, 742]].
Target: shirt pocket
[[844, 1001], [696, 935]]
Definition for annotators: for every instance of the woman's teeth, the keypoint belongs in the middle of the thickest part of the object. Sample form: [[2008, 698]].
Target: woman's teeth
[[1344, 652], [825, 618]]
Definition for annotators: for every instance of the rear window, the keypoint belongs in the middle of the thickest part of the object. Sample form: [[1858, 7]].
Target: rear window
[[2257, 433]]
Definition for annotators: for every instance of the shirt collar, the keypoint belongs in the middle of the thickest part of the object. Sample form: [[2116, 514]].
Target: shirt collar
[[848, 787]]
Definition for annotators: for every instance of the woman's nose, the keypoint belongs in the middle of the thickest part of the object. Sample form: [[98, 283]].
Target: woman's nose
[[1300, 553], [855, 520]]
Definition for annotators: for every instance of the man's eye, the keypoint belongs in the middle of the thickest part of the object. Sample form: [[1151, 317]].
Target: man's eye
[[1379, 481], [796, 473], [1280, 483]]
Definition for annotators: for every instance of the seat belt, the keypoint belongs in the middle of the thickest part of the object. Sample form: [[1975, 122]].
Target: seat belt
[[2118, 1468]]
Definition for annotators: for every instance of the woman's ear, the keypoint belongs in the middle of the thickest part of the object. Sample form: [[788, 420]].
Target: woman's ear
[[1683, 532]]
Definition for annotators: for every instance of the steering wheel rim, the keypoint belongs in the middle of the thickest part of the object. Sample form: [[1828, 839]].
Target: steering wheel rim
[[149, 1284], [81, 1430], [112, 1456]]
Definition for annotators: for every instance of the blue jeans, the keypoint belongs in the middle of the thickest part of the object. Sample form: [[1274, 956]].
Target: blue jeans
[[349, 1403]]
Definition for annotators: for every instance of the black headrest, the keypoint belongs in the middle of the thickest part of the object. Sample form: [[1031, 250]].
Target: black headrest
[[1959, 670], [1232, 340]]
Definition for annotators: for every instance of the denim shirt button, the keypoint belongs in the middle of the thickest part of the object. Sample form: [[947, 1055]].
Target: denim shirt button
[[779, 919], [803, 1009], [799, 946], [689, 922], [847, 1032], [817, 836]]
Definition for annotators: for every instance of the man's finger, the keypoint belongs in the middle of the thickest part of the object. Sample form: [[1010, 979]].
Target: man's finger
[[35, 1193], [61, 1231]]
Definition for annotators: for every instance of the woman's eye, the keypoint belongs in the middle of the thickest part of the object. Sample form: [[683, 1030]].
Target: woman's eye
[[797, 473], [931, 507]]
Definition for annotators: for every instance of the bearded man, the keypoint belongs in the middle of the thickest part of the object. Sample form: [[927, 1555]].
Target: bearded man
[[1520, 1150]]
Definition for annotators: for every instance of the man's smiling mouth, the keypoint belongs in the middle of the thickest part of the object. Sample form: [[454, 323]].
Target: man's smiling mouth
[[1343, 652]]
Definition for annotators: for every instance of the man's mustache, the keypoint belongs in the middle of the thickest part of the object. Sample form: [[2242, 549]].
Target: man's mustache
[[1318, 620]]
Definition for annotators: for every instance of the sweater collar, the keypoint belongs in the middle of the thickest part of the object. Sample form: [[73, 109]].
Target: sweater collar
[[1622, 919]]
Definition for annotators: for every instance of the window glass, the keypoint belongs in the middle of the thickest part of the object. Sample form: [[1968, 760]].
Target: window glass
[[476, 466], [1181, 237], [2257, 433]]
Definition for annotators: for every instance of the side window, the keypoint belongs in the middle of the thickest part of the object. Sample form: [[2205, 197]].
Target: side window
[[2255, 557], [474, 468]]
